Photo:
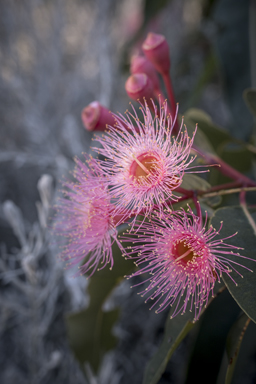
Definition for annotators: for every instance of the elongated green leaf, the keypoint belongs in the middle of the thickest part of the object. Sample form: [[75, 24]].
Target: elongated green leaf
[[210, 342], [194, 182], [201, 140], [213, 201], [213, 132], [89, 331], [175, 331], [244, 292], [235, 155], [90, 334], [234, 340], [215, 139]]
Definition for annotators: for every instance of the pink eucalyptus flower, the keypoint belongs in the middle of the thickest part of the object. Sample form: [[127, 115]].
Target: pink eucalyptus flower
[[144, 164], [183, 258], [84, 219]]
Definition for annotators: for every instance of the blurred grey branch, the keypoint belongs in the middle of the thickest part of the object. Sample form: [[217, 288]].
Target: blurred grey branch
[[32, 296]]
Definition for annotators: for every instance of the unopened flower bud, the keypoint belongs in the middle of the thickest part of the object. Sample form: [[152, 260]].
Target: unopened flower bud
[[95, 117], [140, 64], [139, 86], [156, 49]]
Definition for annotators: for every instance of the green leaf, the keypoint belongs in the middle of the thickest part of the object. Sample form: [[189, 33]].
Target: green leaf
[[249, 96], [213, 132], [89, 334], [217, 140], [239, 157], [175, 331], [235, 220], [234, 340], [89, 331], [235, 155], [194, 182], [212, 201], [200, 140], [209, 345]]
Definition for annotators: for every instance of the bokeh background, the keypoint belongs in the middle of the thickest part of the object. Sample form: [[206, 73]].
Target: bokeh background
[[55, 58]]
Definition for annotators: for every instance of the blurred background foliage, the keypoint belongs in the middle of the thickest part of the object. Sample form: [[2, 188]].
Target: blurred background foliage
[[56, 57]]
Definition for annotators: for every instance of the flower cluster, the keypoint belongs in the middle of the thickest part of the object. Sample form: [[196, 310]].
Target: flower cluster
[[140, 169]]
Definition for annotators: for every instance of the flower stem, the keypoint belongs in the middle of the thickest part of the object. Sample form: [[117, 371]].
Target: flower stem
[[197, 205], [245, 210], [233, 184], [230, 191], [216, 191], [189, 192], [169, 89], [159, 96], [170, 93], [225, 168]]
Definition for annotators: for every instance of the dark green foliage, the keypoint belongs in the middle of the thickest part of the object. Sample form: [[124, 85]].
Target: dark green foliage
[[90, 331], [234, 340], [210, 343], [175, 331], [235, 220]]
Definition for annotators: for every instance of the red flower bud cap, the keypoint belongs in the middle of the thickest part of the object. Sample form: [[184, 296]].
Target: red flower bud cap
[[140, 64], [156, 50], [95, 117], [139, 86]]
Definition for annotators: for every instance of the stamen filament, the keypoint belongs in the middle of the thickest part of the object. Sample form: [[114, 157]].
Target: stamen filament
[[142, 166], [184, 255]]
